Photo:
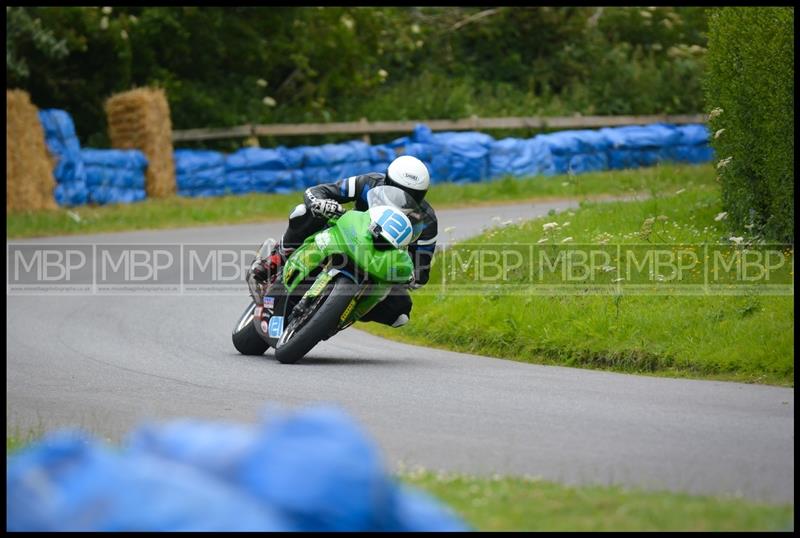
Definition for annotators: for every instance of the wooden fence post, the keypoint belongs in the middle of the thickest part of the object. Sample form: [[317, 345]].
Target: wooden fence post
[[365, 137]]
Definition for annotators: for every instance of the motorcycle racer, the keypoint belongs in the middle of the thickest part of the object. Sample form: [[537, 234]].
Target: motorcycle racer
[[322, 202]]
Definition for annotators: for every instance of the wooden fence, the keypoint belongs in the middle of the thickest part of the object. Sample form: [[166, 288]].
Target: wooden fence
[[365, 127]]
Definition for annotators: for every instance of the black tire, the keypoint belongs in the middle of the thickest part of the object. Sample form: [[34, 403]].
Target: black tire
[[245, 338], [323, 322]]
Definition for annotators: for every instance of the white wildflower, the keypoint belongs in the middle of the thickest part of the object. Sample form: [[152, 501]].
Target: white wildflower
[[718, 133], [133, 19], [549, 226], [123, 34], [261, 82], [565, 183], [107, 10], [618, 280], [269, 101], [418, 43], [608, 268], [721, 216], [543, 240], [724, 162], [415, 28], [565, 224], [507, 222], [74, 216], [680, 191], [382, 73], [347, 21], [566, 239], [714, 113], [449, 229], [104, 23], [736, 240]]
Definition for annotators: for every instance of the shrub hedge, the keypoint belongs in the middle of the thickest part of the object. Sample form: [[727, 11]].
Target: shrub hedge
[[749, 89]]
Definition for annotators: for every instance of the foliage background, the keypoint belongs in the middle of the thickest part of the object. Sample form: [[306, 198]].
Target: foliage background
[[228, 66], [750, 99]]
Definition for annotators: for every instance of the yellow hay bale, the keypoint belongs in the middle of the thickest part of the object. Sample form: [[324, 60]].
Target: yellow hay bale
[[139, 119], [29, 172]]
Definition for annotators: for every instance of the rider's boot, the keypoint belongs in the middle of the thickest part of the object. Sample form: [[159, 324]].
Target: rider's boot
[[265, 269]]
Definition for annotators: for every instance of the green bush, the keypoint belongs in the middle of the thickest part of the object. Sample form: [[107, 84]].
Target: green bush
[[750, 97], [227, 66]]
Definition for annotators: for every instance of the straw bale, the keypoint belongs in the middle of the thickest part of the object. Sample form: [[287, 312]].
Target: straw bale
[[139, 119], [29, 172]]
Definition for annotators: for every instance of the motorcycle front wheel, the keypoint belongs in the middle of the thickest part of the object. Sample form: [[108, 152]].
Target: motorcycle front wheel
[[320, 322]]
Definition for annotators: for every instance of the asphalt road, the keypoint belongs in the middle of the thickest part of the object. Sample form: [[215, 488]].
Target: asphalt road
[[107, 363]]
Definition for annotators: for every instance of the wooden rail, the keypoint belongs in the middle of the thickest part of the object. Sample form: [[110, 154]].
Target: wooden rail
[[473, 123]]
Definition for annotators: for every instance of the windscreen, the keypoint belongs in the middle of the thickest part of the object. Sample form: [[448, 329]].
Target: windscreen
[[392, 196]]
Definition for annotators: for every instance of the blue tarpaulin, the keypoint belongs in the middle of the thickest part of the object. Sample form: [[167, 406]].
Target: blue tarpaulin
[[115, 176], [199, 172], [457, 157], [656, 135], [313, 470], [63, 143]]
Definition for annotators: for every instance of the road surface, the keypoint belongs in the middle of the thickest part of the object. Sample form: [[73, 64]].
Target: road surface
[[107, 363]]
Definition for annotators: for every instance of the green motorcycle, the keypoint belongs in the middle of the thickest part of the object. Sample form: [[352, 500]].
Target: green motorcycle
[[333, 279]]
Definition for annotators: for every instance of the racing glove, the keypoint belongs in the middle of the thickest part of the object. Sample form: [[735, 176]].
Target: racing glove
[[326, 208]]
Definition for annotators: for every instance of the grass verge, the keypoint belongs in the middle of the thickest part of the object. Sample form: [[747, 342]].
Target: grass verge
[[747, 338], [523, 504], [184, 212]]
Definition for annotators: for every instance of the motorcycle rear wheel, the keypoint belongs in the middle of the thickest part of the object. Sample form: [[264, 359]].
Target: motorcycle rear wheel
[[245, 338]]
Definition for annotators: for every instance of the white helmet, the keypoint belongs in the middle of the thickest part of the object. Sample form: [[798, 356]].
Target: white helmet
[[409, 174]]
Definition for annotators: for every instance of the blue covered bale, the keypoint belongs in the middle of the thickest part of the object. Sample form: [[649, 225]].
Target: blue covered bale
[[574, 151], [692, 134], [519, 157], [569, 143], [59, 131], [330, 154], [314, 470], [199, 172], [693, 145], [255, 159], [115, 175], [639, 145], [382, 153], [619, 159], [653, 136], [258, 170], [330, 162], [467, 153], [695, 154], [71, 482], [588, 162], [277, 181], [63, 144]]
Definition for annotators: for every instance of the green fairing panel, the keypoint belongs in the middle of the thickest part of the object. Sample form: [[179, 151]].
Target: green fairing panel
[[350, 236], [355, 240], [301, 263]]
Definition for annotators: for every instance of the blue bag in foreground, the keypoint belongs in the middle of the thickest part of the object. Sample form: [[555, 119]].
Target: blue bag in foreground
[[313, 470]]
